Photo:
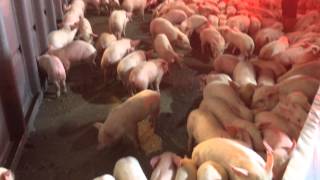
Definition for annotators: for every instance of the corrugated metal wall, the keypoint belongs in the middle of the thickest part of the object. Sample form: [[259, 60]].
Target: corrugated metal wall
[[24, 26]]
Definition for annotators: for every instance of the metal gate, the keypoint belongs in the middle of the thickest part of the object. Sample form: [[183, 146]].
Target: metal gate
[[24, 26]]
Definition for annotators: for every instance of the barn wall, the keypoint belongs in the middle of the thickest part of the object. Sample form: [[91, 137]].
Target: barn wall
[[24, 27]]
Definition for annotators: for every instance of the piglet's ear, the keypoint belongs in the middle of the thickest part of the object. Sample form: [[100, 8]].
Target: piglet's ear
[[7, 175], [270, 160], [94, 35], [315, 49], [135, 43], [154, 161], [97, 125], [176, 160], [129, 14], [66, 7], [239, 171]]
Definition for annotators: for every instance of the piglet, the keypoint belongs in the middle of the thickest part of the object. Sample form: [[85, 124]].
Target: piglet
[[265, 77], [240, 22], [309, 69], [240, 40], [271, 120], [218, 78], [201, 126], [273, 48], [6, 174], [175, 16], [61, 37], [79, 5], [116, 52], [228, 94], [240, 162], [109, 5], [214, 20], [298, 54], [128, 63], [104, 177], [281, 146], [75, 52], [212, 38], [187, 170], [134, 5], [174, 5], [128, 168], [244, 74], [277, 68], [192, 23], [104, 41], [228, 118], [71, 18], [118, 21], [226, 63], [55, 71], [266, 35], [147, 74], [164, 166], [160, 25], [164, 49], [85, 30], [231, 10], [255, 26], [123, 120], [211, 170]]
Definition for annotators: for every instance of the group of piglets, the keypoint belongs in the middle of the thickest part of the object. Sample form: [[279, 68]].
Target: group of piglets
[[255, 101], [113, 49], [261, 88]]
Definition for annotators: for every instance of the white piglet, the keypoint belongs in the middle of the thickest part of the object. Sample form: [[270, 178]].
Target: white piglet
[[128, 168], [128, 63], [211, 170], [105, 177], [147, 74], [104, 41], [6, 174], [75, 52], [55, 71], [175, 16], [240, 40], [240, 162], [192, 23], [61, 37], [273, 48], [160, 25], [118, 21], [134, 5], [116, 52], [85, 30], [122, 121], [164, 166], [164, 49]]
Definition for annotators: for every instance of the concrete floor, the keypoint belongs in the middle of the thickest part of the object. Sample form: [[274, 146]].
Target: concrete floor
[[63, 147]]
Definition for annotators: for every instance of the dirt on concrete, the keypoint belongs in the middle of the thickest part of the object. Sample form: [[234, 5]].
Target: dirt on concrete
[[63, 145]]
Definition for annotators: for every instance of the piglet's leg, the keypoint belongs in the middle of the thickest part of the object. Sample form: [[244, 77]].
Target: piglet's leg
[[57, 85], [133, 136], [157, 82], [64, 86]]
